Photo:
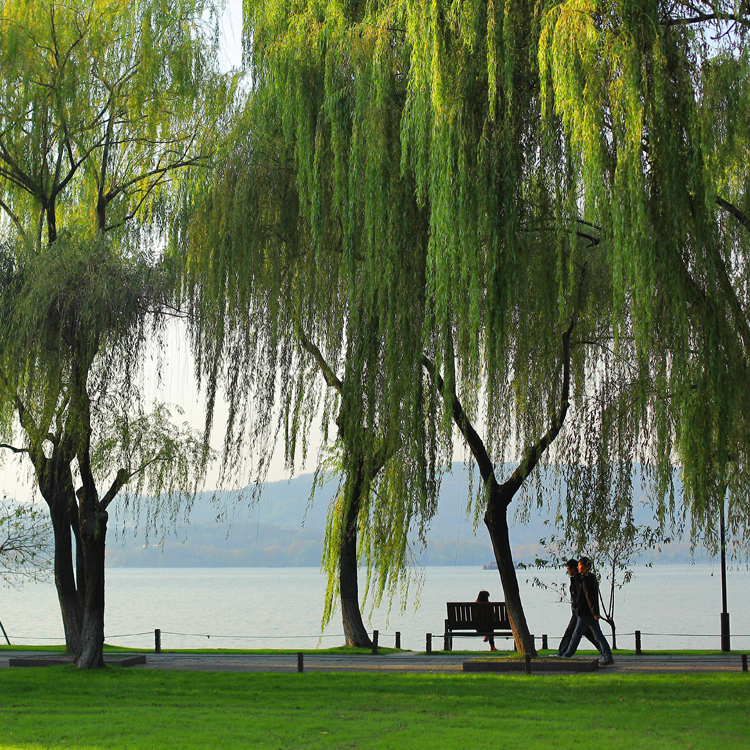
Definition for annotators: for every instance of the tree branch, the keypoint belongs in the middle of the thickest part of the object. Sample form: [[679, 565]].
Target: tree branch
[[533, 453], [732, 209], [13, 448], [120, 481], [486, 469], [330, 376]]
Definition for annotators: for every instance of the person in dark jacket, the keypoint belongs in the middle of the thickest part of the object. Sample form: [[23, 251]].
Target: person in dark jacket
[[484, 596], [575, 589], [587, 610]]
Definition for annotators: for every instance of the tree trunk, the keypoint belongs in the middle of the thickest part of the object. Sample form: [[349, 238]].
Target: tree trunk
[[93, 533], [67, 593], [351, 614], [496, 520]]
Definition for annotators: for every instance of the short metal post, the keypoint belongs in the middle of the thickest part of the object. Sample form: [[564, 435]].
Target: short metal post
[[374, 642], [300, 662], [638, 642], [429, 643], [398, 639], [528, 663], [157, 641], [447, 642], [744, 662], [544, 641]]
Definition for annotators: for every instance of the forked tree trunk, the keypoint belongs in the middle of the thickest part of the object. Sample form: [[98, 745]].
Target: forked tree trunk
[[499, 496]]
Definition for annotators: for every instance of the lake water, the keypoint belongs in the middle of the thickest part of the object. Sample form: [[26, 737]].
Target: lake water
[[281, 607]]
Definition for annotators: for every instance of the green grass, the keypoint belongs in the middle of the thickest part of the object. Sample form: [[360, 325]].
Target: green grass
[[144, 709]]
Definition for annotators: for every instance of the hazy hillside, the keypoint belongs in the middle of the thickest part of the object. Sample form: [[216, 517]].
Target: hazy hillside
[[284, 530]]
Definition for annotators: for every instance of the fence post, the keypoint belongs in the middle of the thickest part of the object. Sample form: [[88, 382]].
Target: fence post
[[375, 642], [744, 662], [447, 645], [638, 642], [428, 644], [300, 662], [398, 639], [157, 641], [544, 641], [527, 659]]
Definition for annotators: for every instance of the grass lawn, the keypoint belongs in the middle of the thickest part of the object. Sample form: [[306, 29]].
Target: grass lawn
[[139, 709]]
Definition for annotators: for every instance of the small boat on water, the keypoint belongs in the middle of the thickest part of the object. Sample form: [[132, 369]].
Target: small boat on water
[[490, 566]]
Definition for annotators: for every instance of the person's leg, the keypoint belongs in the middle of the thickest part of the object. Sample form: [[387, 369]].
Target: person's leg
[[582, 625], [565, 640], [590, 636], [605, 650]]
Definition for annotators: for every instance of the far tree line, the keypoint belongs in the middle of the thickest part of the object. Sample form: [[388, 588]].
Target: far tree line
[[520, 228]]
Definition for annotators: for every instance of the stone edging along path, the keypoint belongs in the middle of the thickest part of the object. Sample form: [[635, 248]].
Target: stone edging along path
[[405, 662]]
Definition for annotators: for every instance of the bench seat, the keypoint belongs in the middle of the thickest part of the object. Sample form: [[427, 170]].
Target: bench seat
[[472, 619]]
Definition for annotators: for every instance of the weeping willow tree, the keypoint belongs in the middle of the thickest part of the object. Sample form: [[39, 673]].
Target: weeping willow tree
[[393, 202], [654, 98], [97, 120], [306, 265]]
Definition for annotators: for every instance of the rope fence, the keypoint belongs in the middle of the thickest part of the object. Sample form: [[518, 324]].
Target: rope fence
[[376, 638]]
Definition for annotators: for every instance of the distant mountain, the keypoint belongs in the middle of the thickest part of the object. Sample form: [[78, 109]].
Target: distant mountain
[[283, 529]]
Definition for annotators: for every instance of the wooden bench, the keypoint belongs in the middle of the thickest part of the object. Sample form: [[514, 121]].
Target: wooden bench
[[472, 619]]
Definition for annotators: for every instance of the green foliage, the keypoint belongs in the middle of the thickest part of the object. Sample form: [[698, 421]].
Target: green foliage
[[25, 543], [653, 99], [101, 103]]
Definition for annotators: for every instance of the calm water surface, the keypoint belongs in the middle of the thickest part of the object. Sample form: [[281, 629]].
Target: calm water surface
[[281, 608]]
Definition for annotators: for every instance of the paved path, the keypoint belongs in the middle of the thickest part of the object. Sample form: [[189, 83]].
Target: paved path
[[406, 662]]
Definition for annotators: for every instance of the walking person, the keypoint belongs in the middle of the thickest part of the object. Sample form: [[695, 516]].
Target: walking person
[[587, 610], [575, 591]]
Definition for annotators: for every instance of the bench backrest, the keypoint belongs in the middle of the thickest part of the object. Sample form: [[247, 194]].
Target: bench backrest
[[477, 615]]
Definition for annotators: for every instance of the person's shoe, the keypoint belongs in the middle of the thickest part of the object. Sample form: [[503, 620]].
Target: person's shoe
[[606, 662], [485, 639], [492, 648]]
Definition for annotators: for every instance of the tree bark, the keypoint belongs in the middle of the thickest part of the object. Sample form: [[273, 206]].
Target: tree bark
[[71, 607], [496, 520], [56, 486], [355, 632], [93, 533]]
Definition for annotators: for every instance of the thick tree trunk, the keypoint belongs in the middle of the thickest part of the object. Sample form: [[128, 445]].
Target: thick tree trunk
[[71, 607], [93, 532], [496, 520], [351, 614]]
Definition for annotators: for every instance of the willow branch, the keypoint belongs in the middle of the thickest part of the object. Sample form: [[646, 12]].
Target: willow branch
[[330, 376], [533, 453], [13, 448], [486, 469], [120, 481], [732, 209]]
